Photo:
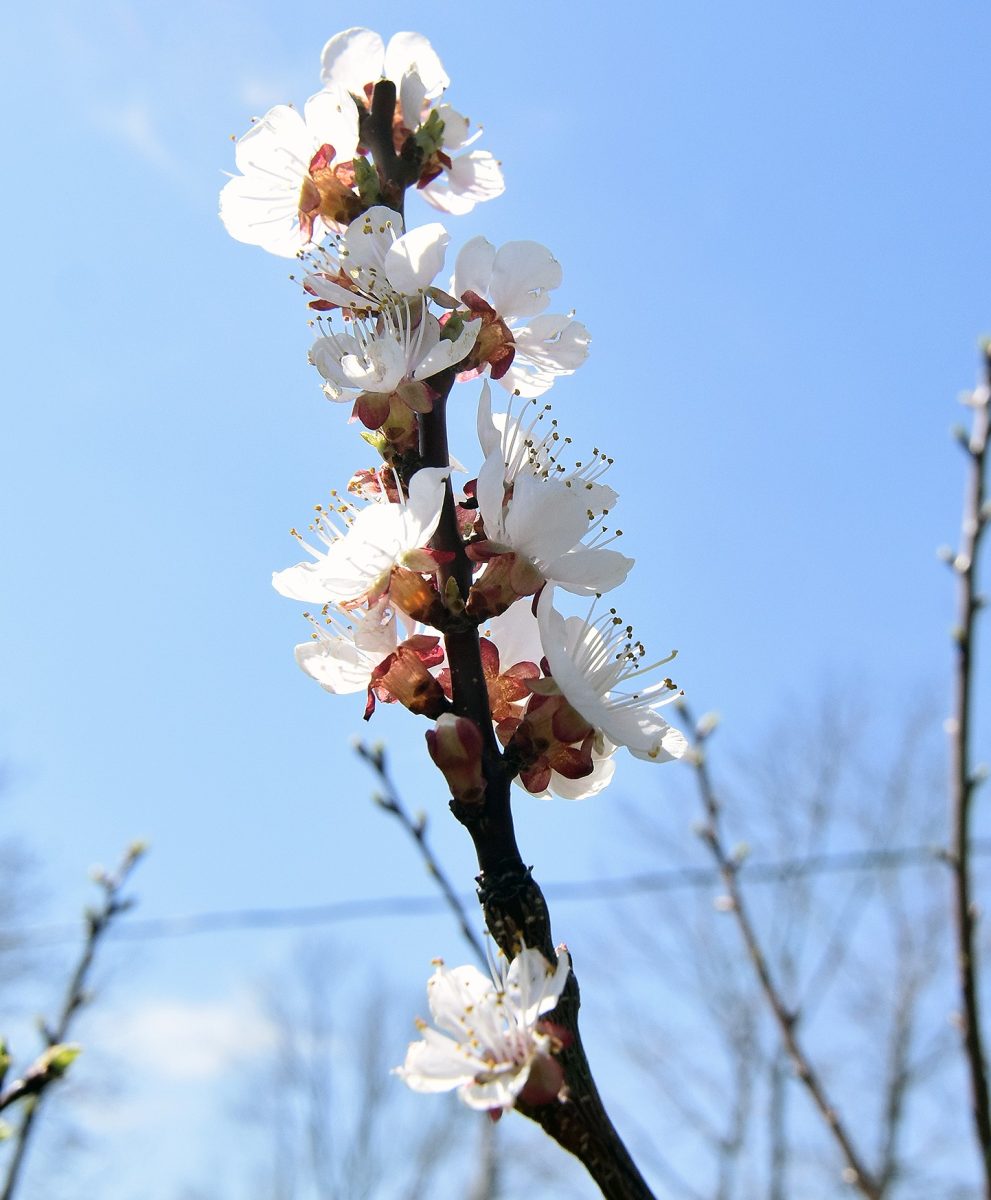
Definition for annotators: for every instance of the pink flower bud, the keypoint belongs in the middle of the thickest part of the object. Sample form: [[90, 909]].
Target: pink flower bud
[[455, 745]]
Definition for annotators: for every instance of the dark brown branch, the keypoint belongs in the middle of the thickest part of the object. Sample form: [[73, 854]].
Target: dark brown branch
[[963, 782], [514, 906], [856, 1173], [515, 909], [98, 920], [396, 172]]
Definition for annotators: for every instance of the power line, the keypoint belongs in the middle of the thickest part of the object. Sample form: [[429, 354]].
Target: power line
[[670, 879]]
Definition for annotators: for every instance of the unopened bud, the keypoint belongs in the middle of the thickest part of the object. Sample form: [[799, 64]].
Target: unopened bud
[[455, 745], [706, 724]]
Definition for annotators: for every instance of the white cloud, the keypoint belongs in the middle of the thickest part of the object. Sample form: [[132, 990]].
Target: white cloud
[[184, 1041], [134, 126]]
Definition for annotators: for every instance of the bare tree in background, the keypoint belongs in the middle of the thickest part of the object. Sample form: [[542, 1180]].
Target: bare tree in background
[[29, 1093], [329, 1118], [860, 956]]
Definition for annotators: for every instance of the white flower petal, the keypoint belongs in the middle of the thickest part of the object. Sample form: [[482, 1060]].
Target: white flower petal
[[337, 665], [412, 263], [412, 100], [381, 367], [591, 785], [515, 635], [536, 986], [553, 342], [327, 289], [548, 347], [522, 276], [500, 1092], [451, 991], [332, 119], [352, 59], [426, 498], [261, 213], [369, 238], [472, 178], [275, 143], [437, 1064], [326, 354], [587, 668], [588, 571], [545, 518], [473, 267], [489, 434], [448, 354], [455, 128], [412, 52]]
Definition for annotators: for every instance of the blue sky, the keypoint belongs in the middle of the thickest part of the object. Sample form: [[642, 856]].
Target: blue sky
[[773, 220]]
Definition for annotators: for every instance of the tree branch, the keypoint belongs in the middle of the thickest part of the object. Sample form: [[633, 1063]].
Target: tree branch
[[963, 781], [856, 1172], [51, 1062], [389, 801], [514, 906]]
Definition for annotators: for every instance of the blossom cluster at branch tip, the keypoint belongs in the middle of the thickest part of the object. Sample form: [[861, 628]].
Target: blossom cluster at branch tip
[[492, 1041], [532, 526], [303, 176]]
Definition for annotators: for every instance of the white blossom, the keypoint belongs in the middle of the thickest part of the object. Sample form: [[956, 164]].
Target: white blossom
[[516, 280], [491, 1045], [470, 179], [377, 261], [261, 206], [593, 663], [516, 636], [357, 59], [401, 344], [343, 651], [532, 505], [358, 560]]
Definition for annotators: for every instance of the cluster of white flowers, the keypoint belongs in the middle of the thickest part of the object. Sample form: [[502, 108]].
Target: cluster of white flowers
[[564, 692], [298, 171]]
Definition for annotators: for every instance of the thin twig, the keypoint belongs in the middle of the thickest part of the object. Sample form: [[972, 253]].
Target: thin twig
[[856, 1173], [963, 780], [98, 920], [389, 801]]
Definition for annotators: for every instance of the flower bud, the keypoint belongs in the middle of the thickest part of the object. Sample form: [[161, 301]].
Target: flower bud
[[455, 745]]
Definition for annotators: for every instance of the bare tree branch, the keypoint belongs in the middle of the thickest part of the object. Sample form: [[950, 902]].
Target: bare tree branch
[[963, 781], [390, 801], [856, 1173], [98, 921]]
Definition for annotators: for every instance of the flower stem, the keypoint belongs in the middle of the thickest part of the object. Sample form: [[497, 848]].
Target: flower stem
[[963, 781]]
